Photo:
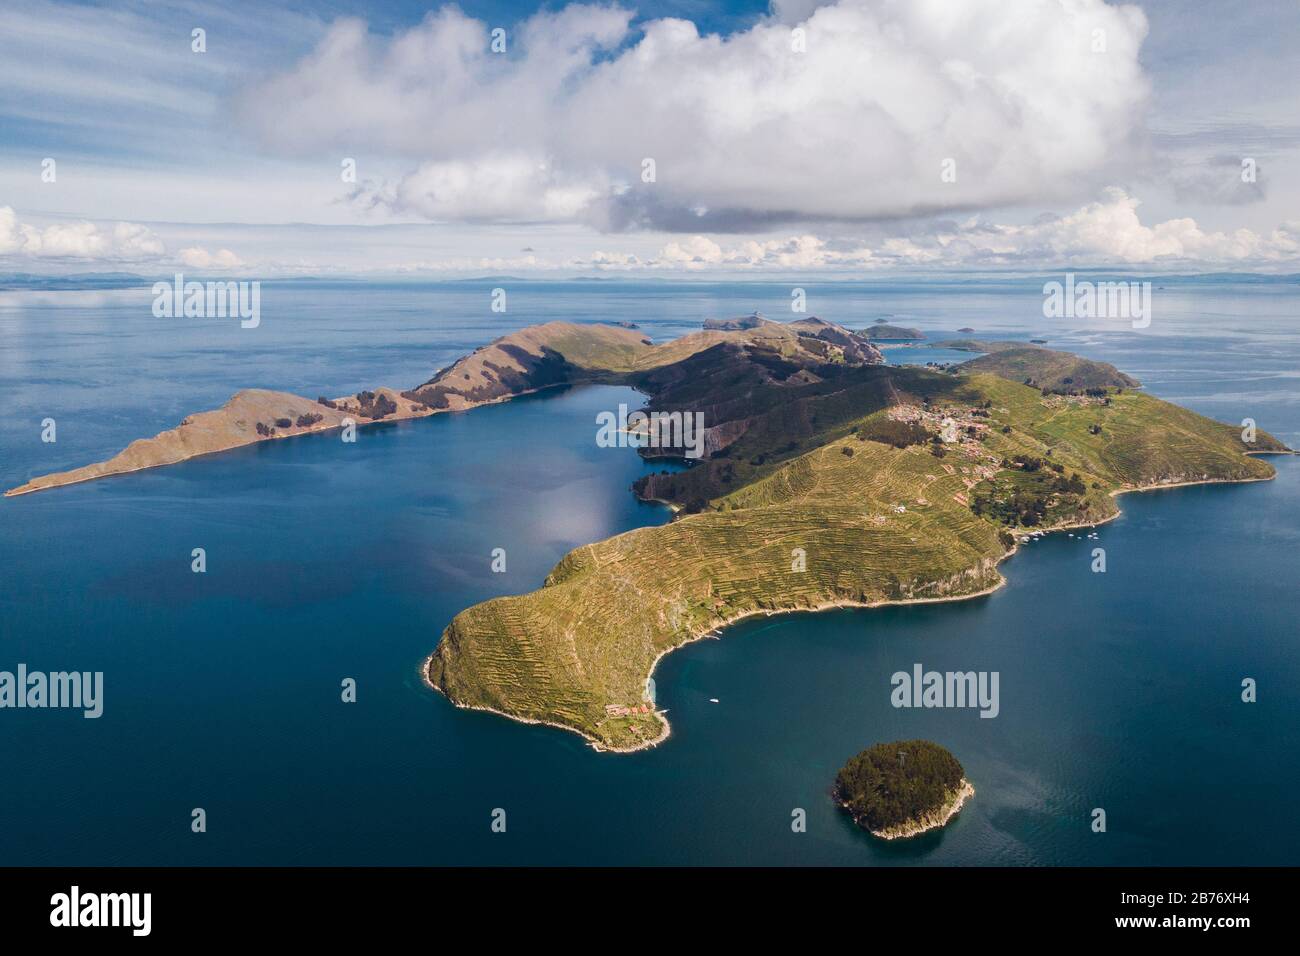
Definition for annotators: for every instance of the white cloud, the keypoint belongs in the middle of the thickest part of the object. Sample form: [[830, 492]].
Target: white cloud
[[196, 257], [1108, 232], [693, 253], [479, 264], [126, 241], [745, 132], [133, 241], [498, 186]]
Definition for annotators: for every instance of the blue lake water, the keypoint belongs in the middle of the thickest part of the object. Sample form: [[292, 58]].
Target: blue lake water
[[325, 561]]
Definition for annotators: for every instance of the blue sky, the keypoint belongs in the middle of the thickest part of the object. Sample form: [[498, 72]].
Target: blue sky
[[849, 137]]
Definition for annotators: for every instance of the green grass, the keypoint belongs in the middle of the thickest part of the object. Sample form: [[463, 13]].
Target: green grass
[[882, 524], [1050, 369], [589, 637]]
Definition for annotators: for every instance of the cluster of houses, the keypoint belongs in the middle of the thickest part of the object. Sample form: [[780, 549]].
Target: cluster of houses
[[618, 710], [964, 432], [949, 423]]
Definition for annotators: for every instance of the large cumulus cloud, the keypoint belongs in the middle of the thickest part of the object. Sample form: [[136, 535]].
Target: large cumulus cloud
[[124, 241], [1032, 100]]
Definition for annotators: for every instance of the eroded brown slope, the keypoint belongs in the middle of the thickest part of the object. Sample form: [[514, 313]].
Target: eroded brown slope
[[233, 425], [538, 357]]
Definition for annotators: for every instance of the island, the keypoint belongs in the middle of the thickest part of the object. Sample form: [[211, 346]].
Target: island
[[1048, 369], [979, 345], [882, 331], [902, 789], [827, 479]]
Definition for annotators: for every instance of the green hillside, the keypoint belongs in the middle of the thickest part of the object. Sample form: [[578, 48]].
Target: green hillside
[[848, 484], [1050, 369]]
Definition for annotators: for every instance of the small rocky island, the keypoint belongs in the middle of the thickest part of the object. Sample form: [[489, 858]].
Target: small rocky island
[[903, 788]]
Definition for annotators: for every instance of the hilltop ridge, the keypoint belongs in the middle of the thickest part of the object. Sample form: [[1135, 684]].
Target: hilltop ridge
[[531, 359], [252, 415]]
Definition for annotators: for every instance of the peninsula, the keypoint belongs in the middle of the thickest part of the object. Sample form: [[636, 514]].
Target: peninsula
[[828, 479]]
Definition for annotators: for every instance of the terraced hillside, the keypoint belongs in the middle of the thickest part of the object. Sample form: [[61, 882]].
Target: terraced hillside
[[1048, 368], [848, 485], [826, 530]]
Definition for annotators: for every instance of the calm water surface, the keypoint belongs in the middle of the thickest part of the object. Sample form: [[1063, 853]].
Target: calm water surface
[[328, 561]]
